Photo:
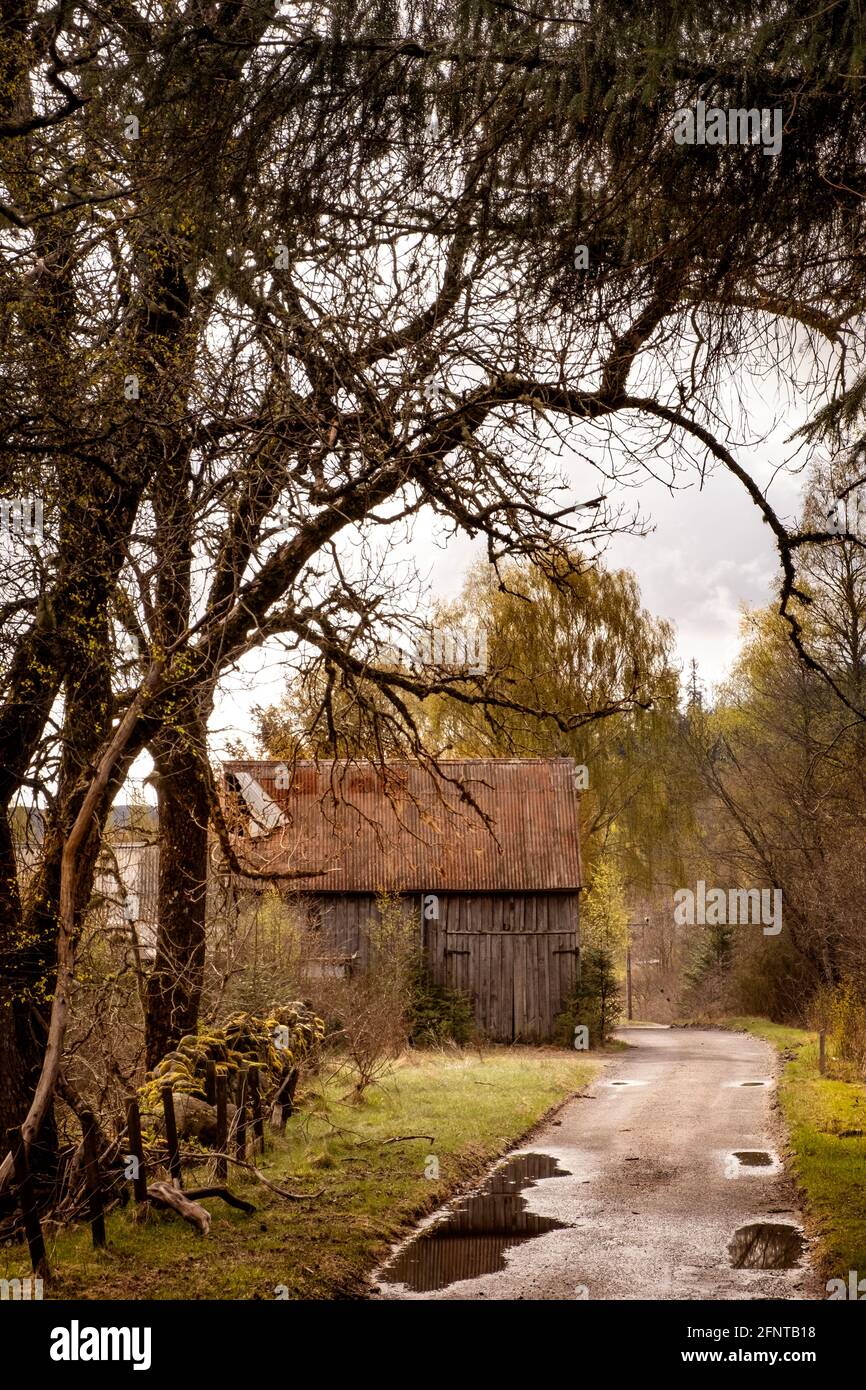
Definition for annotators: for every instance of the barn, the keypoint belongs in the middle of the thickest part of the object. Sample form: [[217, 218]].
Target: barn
[[487, 861]]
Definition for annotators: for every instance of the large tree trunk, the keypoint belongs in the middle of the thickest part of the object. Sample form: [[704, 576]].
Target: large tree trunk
[[175, 983], [26, 965], [29, 913], [29, 973]]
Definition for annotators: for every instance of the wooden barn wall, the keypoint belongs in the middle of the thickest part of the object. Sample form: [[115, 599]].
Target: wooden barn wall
[[515, 955], [342, 925]]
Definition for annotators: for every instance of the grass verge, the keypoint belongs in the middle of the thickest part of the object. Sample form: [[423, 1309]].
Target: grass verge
[[370, 1181], [826, 1118]]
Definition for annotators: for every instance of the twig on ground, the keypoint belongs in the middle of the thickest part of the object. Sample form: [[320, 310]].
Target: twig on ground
[[398, 1139]]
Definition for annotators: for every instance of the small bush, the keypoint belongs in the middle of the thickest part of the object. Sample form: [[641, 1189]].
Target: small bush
[[595, 1002], [436, 1014], [368, 1010], [841, 1013]]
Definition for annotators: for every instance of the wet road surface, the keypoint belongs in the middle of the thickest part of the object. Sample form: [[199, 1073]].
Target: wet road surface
[[662, 1181]]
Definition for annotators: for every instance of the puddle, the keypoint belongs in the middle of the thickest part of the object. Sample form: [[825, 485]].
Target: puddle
[[625, 1083], [766, 1245], [742, 1162], [472, 1238]]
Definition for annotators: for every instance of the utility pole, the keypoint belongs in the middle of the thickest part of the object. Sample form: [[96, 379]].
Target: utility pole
[[628, 976], [628, 999]]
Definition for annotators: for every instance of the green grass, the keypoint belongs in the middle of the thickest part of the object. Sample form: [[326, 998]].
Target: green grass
[[826, 1117], [475, 1105]]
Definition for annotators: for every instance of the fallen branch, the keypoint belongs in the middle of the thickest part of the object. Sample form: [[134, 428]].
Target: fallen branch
[[223, 1192], [162, 1194], [289, 1196], [398, 1139]]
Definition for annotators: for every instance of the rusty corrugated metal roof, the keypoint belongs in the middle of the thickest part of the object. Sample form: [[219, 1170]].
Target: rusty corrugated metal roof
[[401, 829]]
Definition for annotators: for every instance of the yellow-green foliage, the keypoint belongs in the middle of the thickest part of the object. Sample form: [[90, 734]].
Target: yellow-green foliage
[[243, 1040], [848, 1029], [841, 1012], [604, 925]]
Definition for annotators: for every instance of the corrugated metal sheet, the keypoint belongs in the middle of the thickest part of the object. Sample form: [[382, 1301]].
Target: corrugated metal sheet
[[402, 829]]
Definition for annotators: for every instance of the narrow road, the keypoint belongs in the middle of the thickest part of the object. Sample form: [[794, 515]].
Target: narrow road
[[644, 1195]]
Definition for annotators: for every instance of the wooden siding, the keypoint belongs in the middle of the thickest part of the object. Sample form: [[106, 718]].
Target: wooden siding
[[342, 925], [513, 954]]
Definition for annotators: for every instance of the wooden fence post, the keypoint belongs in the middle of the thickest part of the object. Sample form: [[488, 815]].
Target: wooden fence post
[[241, 1116], [210, 1083], [91, 1173], [171, 1136], [222, 1129], [256, 1107], [27, 1202], [284, 1102], [136, 1149]]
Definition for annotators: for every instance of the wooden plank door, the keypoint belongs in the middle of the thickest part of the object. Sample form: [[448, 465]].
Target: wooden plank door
[[518, 981]]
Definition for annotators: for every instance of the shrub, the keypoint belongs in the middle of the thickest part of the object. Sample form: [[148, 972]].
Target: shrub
[[437, 1014], [595, 1002], [369, 1009], [841, 1013]]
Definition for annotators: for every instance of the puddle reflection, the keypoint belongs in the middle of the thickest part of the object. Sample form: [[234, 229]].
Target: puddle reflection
[[766, 1245], [473, 1237]]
